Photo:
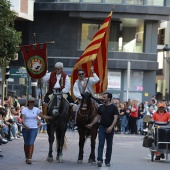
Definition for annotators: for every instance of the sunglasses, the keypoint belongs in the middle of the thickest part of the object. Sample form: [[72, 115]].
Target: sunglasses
[[161, 107], [81, 74]]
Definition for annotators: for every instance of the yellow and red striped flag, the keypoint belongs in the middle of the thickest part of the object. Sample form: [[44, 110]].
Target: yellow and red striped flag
[[96, 54]]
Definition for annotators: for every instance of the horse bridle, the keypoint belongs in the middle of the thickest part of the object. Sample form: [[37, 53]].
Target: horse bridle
[[87, 115], [57, 91]]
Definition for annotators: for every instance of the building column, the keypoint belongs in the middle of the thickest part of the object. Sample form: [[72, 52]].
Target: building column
[[150, 36], [167, 3]]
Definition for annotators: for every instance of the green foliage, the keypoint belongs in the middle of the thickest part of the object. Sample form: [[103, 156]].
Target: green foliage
[[9, 37]]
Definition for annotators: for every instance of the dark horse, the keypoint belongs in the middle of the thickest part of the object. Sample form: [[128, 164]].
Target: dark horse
[[59, 108], [85, 115]]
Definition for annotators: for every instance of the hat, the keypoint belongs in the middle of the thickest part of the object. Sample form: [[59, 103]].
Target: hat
[[162, 104], [59, 64], [31, 99]]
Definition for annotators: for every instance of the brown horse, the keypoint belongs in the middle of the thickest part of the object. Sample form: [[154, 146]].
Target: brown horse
[[85, 115]]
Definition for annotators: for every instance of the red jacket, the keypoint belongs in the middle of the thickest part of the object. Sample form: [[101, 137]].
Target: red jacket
[[53, 80]]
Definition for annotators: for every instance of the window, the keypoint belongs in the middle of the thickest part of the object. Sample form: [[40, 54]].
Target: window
[[125, 35]]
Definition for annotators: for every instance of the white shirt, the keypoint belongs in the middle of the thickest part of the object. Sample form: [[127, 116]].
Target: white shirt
[[66, 89], [31, 116], [77, 88]]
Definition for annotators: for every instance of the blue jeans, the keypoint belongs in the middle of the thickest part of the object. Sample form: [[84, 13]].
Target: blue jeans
[[14, 129], [140, 124], [29, 136], [102, 135]]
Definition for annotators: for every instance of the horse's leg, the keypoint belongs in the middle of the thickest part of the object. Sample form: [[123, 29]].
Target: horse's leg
[[81, 145], [50, 132], [92, 158], [60, 146], [59, 156]]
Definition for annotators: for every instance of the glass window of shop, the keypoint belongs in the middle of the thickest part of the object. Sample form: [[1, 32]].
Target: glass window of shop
[[113, 1], [145, 2], [136, 81], [134, 2], [136, 85], [155, 2], [125, 35]]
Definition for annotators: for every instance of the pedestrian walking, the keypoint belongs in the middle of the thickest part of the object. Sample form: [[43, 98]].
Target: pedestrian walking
[[108, 115], [30, 127]]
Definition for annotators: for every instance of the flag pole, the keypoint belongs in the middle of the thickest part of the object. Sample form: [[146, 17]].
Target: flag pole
[[88, 76], [51, 42]]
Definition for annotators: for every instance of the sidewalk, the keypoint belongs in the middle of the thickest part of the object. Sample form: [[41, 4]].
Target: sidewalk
[[128, 154]]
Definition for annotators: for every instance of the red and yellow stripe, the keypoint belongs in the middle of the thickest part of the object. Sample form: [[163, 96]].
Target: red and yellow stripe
[[96, 54]]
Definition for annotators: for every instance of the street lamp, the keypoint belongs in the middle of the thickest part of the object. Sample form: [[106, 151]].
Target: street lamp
[[166, 54]]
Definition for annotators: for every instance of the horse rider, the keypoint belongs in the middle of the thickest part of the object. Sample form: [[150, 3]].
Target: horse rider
[[57, 79], [83, 85], [159, 118]]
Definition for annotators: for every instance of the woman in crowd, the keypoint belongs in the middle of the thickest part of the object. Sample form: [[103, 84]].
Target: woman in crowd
[[122, 118], [133, 117], [141, 113], [30, 127]]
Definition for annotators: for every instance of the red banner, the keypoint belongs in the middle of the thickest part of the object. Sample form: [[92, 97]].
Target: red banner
[[35, 57]]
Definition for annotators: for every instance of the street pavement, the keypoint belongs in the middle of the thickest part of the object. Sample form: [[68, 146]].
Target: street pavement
[[128, 154]]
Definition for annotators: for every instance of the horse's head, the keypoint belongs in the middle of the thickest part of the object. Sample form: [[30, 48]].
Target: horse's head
[[56, 102], [86, 101]]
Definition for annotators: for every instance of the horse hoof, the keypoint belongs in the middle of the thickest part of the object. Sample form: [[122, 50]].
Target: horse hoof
[[90, 161], [60, 161], [79, 161], [50, 159], [93, 163]]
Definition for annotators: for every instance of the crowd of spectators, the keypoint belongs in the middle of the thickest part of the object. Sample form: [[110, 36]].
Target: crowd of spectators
[[132, 115]]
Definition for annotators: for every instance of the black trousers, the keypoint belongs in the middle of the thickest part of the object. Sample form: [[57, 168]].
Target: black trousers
[[133, 125]]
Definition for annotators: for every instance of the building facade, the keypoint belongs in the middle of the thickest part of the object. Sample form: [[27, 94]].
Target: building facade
[[133, 38]]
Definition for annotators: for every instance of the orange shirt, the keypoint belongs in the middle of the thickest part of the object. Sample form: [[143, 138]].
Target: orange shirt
[[161, 119]]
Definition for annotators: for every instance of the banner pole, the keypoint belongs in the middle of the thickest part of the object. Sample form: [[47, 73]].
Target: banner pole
[[52, 42], [28, 87]]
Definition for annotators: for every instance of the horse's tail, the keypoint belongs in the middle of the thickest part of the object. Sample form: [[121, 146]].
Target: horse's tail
[[65, 142]]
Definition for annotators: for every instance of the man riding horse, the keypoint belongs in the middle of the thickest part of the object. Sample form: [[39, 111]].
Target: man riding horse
[[83, 85], [57, 79]]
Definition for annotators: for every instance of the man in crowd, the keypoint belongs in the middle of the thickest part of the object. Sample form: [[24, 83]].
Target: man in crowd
[[159, 118]]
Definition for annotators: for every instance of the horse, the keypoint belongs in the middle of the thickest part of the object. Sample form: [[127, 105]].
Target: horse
[[59, 109], [85, 115]]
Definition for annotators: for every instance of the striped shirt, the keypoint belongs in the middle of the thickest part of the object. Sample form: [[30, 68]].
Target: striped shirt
[[161, 119]]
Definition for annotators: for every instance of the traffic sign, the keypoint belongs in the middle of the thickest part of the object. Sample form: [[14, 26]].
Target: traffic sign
[[18, 73]]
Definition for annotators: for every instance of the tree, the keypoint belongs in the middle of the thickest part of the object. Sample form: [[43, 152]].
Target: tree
[[9, 37]]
